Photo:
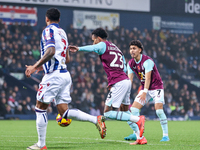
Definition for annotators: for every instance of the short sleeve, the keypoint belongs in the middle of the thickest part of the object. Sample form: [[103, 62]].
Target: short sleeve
[[148, 65], [49, 37]]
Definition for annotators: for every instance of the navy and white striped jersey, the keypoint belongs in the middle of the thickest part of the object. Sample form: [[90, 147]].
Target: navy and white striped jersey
[[54, 36]]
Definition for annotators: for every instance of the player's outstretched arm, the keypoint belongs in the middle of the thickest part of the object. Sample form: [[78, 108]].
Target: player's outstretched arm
[[73, 48], [99, 48], [67, 57]]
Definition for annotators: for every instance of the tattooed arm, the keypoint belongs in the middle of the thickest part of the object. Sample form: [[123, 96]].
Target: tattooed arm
[[67, 57], [46, 57]]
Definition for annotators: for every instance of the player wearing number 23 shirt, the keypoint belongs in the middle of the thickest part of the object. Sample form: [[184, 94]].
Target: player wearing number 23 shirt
[[112, 59], [114, 64]]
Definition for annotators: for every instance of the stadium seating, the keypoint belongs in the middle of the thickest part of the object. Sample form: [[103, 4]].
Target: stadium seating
[[89, 79]]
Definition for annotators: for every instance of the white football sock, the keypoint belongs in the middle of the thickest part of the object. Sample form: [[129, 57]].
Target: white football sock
[[137, 133], [79, 115], [134, 118], [134, 112], [41, 125]]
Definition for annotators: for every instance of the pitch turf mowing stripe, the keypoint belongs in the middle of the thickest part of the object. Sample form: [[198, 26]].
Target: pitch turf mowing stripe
[[72, 138]]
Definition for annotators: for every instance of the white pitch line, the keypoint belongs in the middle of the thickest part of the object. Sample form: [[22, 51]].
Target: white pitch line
[[70, 138]]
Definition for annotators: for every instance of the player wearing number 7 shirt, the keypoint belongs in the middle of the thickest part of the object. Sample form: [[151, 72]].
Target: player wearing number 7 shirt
[[152, 87], [118, 99], [57, 81]]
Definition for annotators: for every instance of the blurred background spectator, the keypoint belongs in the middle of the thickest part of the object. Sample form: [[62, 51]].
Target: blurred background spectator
[[176, 56]]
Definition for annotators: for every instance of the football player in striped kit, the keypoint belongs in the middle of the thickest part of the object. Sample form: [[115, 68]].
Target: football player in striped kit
[[56, 83]]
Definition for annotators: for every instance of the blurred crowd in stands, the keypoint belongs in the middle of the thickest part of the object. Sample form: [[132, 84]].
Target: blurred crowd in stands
[[173, 53]]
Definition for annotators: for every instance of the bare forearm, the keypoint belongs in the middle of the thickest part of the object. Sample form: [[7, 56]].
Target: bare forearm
[[147, 83], [147, 80], [130, 77], [67, 57], [46, 57]]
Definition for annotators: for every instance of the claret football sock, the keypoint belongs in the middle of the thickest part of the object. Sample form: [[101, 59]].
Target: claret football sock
[[79, 115], [41, 125]]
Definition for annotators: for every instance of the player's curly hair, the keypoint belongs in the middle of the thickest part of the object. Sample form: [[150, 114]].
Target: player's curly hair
[[53, 14], [137, 43], [100, 32]]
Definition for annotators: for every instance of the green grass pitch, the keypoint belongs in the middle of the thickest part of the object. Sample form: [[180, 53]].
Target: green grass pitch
[[18, 134]]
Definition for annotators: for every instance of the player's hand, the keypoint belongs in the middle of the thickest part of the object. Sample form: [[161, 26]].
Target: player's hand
[[73, 48], [142, 97], [29, 70], [39, 69]]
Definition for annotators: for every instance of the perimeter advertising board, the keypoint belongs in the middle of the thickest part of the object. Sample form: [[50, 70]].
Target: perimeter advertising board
[[93, 19], [180, 27], [179, 7], [126, 5]]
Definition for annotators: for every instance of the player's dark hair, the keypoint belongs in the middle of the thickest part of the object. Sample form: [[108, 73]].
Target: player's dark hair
[[100, 32], [137, 43], [53, 14]]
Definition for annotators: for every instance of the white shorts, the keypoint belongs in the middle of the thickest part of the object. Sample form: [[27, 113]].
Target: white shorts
[[55, 86], [119, 94], [155, 96]]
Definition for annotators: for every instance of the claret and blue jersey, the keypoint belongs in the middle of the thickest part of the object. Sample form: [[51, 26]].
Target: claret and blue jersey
[[112, 59], [144, 65], [54, 36]]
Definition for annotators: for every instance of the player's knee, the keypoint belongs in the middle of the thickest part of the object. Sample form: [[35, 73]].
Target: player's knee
[[41, 105], [134, 111], [115, 109]]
